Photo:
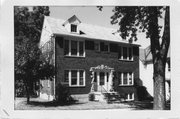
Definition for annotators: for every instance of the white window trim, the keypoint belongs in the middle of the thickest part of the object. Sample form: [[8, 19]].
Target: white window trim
[[69, 54], [128, 99], [78, 78], [122, 79], [122, 57]]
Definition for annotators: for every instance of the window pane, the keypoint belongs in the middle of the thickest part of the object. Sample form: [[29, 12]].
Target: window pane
[[73, 81], [81, 48], [130, 78], [73, 77], [66, 47], [66, 76], [124, 52], [73, 47], [119, 52], [130, 96], [125, 78], [74, 73], [81, 77], [130, 53], [73, 28]]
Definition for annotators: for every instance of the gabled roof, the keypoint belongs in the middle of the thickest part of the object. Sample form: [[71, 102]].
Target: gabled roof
[[89, 31], [72, 19]]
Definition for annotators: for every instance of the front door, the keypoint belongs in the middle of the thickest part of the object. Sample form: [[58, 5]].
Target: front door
[[103, 81]]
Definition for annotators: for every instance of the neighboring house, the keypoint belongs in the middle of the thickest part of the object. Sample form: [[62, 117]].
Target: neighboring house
[[88, 58], [146, 71]]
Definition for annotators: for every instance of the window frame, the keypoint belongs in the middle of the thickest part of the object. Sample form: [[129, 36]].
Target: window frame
[[75, 26], [128, 77], [128, 97], [69, 54], [78, 77], [121, 57]]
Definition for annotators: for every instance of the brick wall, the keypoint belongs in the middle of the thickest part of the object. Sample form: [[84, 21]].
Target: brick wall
[[92, 59]]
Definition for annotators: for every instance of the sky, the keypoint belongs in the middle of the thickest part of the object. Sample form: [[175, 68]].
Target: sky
[[91, 15]]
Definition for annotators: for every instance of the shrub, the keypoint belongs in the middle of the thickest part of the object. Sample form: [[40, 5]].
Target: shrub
[[91, 96], [63, 96]]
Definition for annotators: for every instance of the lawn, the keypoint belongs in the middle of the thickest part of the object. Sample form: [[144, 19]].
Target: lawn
[[82, 103]]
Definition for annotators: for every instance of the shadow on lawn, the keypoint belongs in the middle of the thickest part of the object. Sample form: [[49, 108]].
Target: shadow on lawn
[[53, 103], [145, 105]]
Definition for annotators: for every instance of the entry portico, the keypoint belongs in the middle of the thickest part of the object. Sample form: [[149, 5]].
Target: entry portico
[[102, 78]]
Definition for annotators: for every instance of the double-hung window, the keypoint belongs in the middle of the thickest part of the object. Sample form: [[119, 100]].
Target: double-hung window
[[74, 48], [125, 78], [75, 77], [125, 53]]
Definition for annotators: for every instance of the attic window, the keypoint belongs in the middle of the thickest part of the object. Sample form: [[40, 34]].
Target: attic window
[[73, 28]]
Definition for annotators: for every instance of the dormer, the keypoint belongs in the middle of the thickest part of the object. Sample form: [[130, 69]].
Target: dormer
[[72, 24]]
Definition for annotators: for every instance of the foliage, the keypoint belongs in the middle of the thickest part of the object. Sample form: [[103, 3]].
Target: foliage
[[91, 96], [133, 19], [27, 31], [63, 96]]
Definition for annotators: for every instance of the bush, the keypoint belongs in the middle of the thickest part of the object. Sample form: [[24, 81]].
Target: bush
[[63, 96], [20, 90], [91, 96]]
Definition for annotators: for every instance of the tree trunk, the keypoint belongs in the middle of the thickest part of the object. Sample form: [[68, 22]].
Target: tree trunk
[[159, 85], [27, 83]]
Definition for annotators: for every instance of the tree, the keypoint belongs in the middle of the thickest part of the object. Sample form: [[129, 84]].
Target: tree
[[27, 31], [132, 19]]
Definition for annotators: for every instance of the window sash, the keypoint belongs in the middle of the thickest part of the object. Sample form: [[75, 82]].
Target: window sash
[[74, 48], [126, 78], [125, 53], [76, 77], [73, 28]]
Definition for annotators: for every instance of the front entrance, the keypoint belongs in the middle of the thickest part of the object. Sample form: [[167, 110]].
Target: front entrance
[[101, 78]]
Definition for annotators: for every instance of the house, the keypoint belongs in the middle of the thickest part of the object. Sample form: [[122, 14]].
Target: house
[[146, 71], [88, 58]]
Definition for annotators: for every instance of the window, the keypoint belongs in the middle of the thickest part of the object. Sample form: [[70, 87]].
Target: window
[[104, 46], [75, 77], [129, 96], [74, 48], [73, 28], [125, 53], [125, 79], [97, 46]]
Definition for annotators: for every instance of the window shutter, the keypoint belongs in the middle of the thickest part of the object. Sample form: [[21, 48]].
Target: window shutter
[[59, 41], [113, 47], [89, 45]]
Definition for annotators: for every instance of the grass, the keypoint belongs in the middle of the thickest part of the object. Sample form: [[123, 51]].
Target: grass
[[81, 103]]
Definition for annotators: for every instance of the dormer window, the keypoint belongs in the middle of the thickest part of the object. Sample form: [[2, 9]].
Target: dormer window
[[73, 28]]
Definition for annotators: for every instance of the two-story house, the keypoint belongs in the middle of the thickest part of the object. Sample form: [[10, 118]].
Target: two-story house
[[88, 57]]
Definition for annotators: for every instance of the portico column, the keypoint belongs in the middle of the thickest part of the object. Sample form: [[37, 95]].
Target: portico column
[[110, 80]]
